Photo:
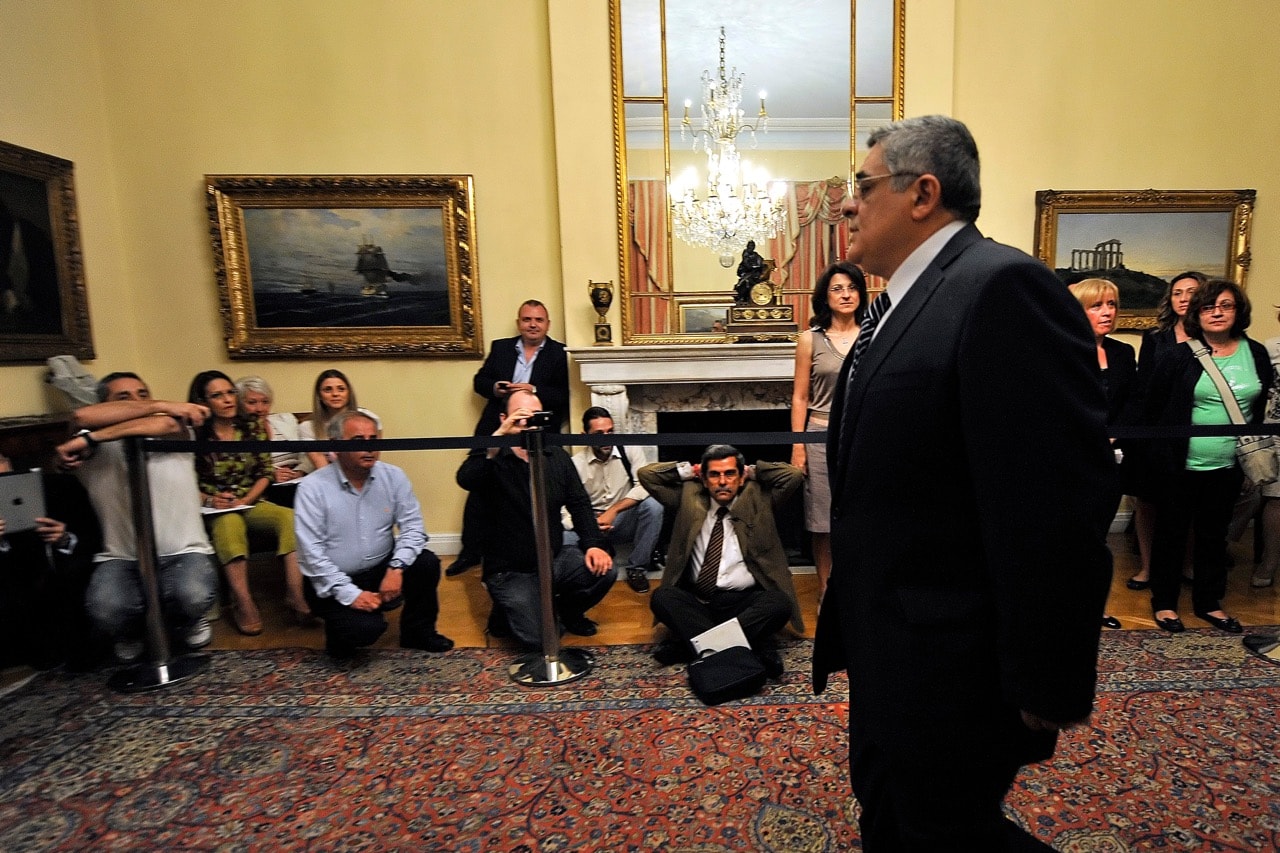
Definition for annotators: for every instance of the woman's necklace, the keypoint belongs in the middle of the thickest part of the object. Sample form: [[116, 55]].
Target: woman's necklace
[[843, 339]]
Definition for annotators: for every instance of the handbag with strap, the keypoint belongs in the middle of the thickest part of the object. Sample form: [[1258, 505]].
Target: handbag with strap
[[1255, 453]]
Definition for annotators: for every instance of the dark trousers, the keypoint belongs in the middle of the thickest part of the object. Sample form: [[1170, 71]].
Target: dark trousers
[[930, 803], [518, 595], [1199, 501], [347, 629], [760, 612]]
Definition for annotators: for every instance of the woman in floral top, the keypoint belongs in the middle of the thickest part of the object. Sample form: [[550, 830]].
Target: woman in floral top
[[231, 486]]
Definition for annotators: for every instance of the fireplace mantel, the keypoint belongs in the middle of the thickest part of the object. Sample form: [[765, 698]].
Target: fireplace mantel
[[621, 379]]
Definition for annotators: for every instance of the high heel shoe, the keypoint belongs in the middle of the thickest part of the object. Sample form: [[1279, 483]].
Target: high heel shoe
[[1223, 623]]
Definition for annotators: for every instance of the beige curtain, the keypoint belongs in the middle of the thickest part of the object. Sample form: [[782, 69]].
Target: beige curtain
[[648, 213]]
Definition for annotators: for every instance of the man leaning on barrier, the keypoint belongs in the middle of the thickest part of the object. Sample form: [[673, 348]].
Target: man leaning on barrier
[[582, 573], [363, 548], [186, 574]]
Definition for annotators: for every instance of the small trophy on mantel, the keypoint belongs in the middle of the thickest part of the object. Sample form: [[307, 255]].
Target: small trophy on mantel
[[601, 293]]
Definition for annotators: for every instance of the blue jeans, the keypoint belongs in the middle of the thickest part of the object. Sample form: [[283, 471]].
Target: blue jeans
[[188, 584], [575, 589], [641, 526]]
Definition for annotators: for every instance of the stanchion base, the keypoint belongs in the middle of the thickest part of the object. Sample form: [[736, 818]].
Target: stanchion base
[[149, 676], [536, 668], [1265, 647]]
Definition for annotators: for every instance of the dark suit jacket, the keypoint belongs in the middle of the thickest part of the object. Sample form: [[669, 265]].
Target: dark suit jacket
[[752, 519], [1121, 378], [550, 374], [972, 488]]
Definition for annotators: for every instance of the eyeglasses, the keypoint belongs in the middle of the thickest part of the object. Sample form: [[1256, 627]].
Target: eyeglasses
[[218, 395], [840, 288], [1224, 307], [864, 182]]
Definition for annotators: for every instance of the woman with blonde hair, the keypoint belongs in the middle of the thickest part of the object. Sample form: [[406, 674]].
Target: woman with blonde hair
[[1100, 299], [333, 394]]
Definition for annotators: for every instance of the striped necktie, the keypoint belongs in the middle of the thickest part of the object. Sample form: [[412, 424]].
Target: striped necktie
[[869, 323], [710, 571]]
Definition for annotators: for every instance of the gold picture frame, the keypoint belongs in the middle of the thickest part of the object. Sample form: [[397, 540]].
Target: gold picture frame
[[331, 266], [1084, 234], [44, 306], [699, 314]]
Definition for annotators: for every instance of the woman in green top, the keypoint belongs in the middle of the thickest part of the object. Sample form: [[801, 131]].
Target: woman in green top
[[1198, 478], [232, 482]]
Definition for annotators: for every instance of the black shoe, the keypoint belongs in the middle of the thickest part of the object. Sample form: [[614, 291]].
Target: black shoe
[[498, 627], [434, 643], [1137, 585], [580, 625], [1230, 624], [1172, 624], [772, 663], [671, 652], [461, 564], [637, 579], [1110, 622]]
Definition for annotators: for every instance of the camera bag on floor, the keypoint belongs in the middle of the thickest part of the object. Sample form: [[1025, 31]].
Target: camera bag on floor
[[725, 675]]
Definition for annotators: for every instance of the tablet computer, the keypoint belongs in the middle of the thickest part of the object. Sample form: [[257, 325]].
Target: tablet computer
[[21, 500]]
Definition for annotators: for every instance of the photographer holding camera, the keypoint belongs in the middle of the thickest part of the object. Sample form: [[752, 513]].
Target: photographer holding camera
[[498, 478]]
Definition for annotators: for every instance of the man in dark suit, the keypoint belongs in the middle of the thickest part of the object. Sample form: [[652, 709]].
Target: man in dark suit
[[972, 486], [532, 362], [750, 579]]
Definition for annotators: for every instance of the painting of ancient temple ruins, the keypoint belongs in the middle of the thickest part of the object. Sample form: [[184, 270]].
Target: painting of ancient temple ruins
[[1141, 239]]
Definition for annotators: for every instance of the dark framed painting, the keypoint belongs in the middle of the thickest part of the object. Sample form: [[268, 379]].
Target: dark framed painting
[[1141, 239], [44, 307], [323, 266]]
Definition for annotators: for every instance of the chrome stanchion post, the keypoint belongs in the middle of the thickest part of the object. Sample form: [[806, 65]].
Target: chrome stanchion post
[[555, 665], [161, 671]]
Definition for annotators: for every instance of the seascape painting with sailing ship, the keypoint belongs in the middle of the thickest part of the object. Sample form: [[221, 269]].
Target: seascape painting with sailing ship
[[347, 267]]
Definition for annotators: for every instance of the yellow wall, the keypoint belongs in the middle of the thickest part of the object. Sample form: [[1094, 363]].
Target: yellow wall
[[148, 96]]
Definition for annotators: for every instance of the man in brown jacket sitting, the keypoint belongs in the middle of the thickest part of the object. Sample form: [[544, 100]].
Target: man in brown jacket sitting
[[725, 559]]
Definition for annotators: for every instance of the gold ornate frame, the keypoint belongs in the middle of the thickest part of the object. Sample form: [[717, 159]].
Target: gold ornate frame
[[1236, 207], [450, 197], [52, 283]]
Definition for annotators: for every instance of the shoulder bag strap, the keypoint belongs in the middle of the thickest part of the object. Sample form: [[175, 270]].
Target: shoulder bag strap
[[1229, 402]]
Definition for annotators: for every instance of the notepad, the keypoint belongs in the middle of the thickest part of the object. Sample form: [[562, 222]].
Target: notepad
[[721, 637]]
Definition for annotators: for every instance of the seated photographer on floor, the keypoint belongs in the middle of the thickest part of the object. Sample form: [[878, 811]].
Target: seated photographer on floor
[[582, 574], [725, 559]]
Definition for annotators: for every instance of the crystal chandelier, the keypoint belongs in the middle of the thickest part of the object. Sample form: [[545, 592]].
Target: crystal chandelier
[[739, 204]]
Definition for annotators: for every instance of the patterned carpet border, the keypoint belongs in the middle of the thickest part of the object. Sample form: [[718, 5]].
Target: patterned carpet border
[[280, 750]]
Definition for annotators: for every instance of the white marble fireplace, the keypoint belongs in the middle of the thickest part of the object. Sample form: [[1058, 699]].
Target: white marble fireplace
[[636, 383]]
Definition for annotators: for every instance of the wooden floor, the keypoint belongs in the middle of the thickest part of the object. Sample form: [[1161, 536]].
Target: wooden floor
[[624, 616]]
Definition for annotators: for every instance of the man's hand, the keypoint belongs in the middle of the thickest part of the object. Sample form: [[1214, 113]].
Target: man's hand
[[50, 530], [598, 561], [605, 520], [1040, 724], [192, 414], [72, 453], [800, 458], [392, 582], [367, 601], [515, 422]]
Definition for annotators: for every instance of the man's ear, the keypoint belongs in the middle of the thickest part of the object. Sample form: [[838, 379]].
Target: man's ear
[[928, 197]]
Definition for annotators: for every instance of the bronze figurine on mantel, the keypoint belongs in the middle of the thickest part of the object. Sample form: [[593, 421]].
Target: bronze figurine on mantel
[[758, 314], [601, 293]]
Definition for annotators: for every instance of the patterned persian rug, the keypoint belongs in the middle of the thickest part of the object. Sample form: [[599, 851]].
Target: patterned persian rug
[[278, 750]]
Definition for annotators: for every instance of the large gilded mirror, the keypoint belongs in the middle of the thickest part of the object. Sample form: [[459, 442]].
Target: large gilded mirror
[[815, 76]]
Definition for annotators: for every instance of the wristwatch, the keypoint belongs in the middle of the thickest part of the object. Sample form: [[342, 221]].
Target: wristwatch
[[395, 564], [89, 440]]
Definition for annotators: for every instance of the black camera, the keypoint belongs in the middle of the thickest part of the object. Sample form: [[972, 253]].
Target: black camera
[[540, 420]]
